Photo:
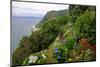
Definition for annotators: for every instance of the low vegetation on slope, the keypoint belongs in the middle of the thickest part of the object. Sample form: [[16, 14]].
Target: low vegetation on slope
[[61, 39]]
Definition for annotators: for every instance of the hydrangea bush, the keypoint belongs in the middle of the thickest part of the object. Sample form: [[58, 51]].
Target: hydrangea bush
[[60, 53]]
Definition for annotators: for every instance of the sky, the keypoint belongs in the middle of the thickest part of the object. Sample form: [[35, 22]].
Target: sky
[[27, 9]]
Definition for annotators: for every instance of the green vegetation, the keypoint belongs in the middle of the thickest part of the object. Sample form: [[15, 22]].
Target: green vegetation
[[24, 50], [85, 26], [64, 36], [52, 14]]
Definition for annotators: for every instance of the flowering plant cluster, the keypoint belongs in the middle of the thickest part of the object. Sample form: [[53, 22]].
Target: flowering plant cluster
[[60, 53], [36, 59]]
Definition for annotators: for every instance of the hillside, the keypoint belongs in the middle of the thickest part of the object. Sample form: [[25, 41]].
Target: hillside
[[61, 38], [52, 14]]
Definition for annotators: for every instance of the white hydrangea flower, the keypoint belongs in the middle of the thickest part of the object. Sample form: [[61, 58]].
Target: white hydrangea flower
[[32, 59]]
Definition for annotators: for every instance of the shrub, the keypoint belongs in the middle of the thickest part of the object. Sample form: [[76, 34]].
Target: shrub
[[60, 53], [85, 26]]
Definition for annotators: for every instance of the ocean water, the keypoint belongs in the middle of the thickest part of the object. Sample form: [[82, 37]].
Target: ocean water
[[21, 26]]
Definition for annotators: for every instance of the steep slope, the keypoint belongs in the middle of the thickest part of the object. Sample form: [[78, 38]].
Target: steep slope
[[52, 14]]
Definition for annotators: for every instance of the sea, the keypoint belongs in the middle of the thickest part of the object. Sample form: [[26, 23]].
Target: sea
[[21, 26]]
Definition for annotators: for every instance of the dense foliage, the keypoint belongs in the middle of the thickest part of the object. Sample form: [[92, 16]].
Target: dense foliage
[[52, 14], [85, 26], [24, 50], [68, 37]]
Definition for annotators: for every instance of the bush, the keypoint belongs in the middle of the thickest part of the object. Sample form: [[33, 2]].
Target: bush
[[23, 51], [85, 26], [60, 53]]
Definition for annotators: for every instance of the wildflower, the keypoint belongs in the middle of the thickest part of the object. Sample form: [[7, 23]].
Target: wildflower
[[32, 59], [35, 58], [70, 59], [56, 50], [43, 55]]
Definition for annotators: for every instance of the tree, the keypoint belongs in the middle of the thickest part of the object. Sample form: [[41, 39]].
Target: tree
[[23, 51]]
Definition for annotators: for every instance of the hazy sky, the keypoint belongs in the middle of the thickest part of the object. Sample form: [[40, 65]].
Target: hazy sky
[[34, 9]]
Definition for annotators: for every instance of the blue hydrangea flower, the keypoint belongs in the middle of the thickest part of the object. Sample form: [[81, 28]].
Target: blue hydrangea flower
[[56, 50]]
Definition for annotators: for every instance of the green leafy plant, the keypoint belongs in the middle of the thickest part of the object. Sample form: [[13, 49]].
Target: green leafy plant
[[60, 53]]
